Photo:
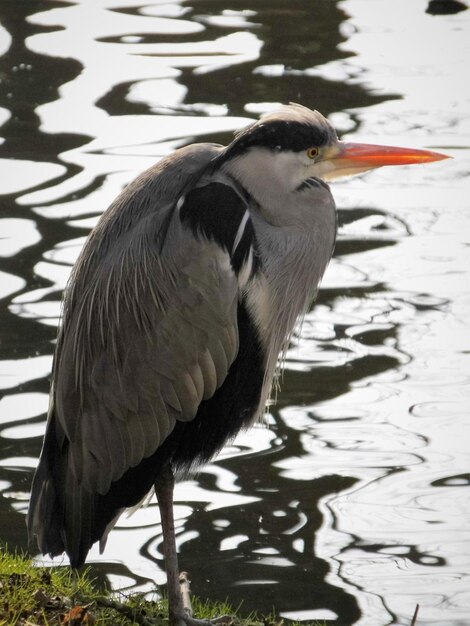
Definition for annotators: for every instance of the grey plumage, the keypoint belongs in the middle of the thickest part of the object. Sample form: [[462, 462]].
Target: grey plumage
[[176, 313]]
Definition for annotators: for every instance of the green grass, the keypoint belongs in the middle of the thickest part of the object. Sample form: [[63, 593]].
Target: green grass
[[51, 597], [56, 596]]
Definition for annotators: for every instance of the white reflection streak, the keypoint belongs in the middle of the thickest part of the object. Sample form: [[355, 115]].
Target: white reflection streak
[[11, 242], [13, 373], [225, 480], [9, 283], [20, 406]]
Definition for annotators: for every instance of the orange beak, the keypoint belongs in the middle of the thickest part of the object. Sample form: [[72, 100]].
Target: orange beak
[[353, 158]]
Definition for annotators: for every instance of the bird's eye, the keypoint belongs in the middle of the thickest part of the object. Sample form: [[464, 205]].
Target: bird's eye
[[312, 153]]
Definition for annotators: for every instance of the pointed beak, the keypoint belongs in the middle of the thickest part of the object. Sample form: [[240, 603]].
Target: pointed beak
[[352, 158]]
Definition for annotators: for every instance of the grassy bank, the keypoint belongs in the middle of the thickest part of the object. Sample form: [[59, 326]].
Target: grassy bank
[[39, 596]]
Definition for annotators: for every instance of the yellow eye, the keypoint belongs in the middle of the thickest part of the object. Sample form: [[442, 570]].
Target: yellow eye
[[312, 153]]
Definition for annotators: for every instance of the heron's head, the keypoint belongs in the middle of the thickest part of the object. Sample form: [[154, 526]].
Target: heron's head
[[295, 145]]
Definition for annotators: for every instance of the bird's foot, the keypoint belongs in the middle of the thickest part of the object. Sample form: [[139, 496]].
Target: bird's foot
[[189, 620], [183, 615]]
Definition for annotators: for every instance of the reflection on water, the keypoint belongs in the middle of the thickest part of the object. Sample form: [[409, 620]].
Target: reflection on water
[[353, 505]]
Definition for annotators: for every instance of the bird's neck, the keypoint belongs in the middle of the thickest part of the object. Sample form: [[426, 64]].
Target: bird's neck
[[277, 187], [295, 234], [264, 180], [292, 265]]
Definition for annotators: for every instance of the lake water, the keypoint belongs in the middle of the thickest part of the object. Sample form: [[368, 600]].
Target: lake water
[[353, 505]]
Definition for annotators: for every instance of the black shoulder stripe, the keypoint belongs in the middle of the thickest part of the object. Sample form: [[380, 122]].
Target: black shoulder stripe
[[218, 213]]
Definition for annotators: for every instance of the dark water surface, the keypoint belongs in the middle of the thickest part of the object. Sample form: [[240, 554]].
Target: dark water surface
[[354, 505]]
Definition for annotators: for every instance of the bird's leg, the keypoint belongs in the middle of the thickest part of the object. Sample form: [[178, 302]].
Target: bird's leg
[[179, 607], [164, 486]]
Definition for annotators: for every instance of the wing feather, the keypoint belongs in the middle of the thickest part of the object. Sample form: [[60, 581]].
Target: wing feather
[[209, 373], [159, 342], [149, 332]]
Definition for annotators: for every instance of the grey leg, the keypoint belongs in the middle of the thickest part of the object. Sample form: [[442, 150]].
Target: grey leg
[[180, 612]]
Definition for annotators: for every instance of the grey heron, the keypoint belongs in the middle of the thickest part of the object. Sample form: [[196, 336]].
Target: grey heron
[[175, 316]]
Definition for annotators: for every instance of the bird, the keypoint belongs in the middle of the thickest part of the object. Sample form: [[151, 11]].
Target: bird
[[176, 318]]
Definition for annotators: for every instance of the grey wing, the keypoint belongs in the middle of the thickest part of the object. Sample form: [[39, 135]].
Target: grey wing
[[149, 330], [157, 356], [151, 334]]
